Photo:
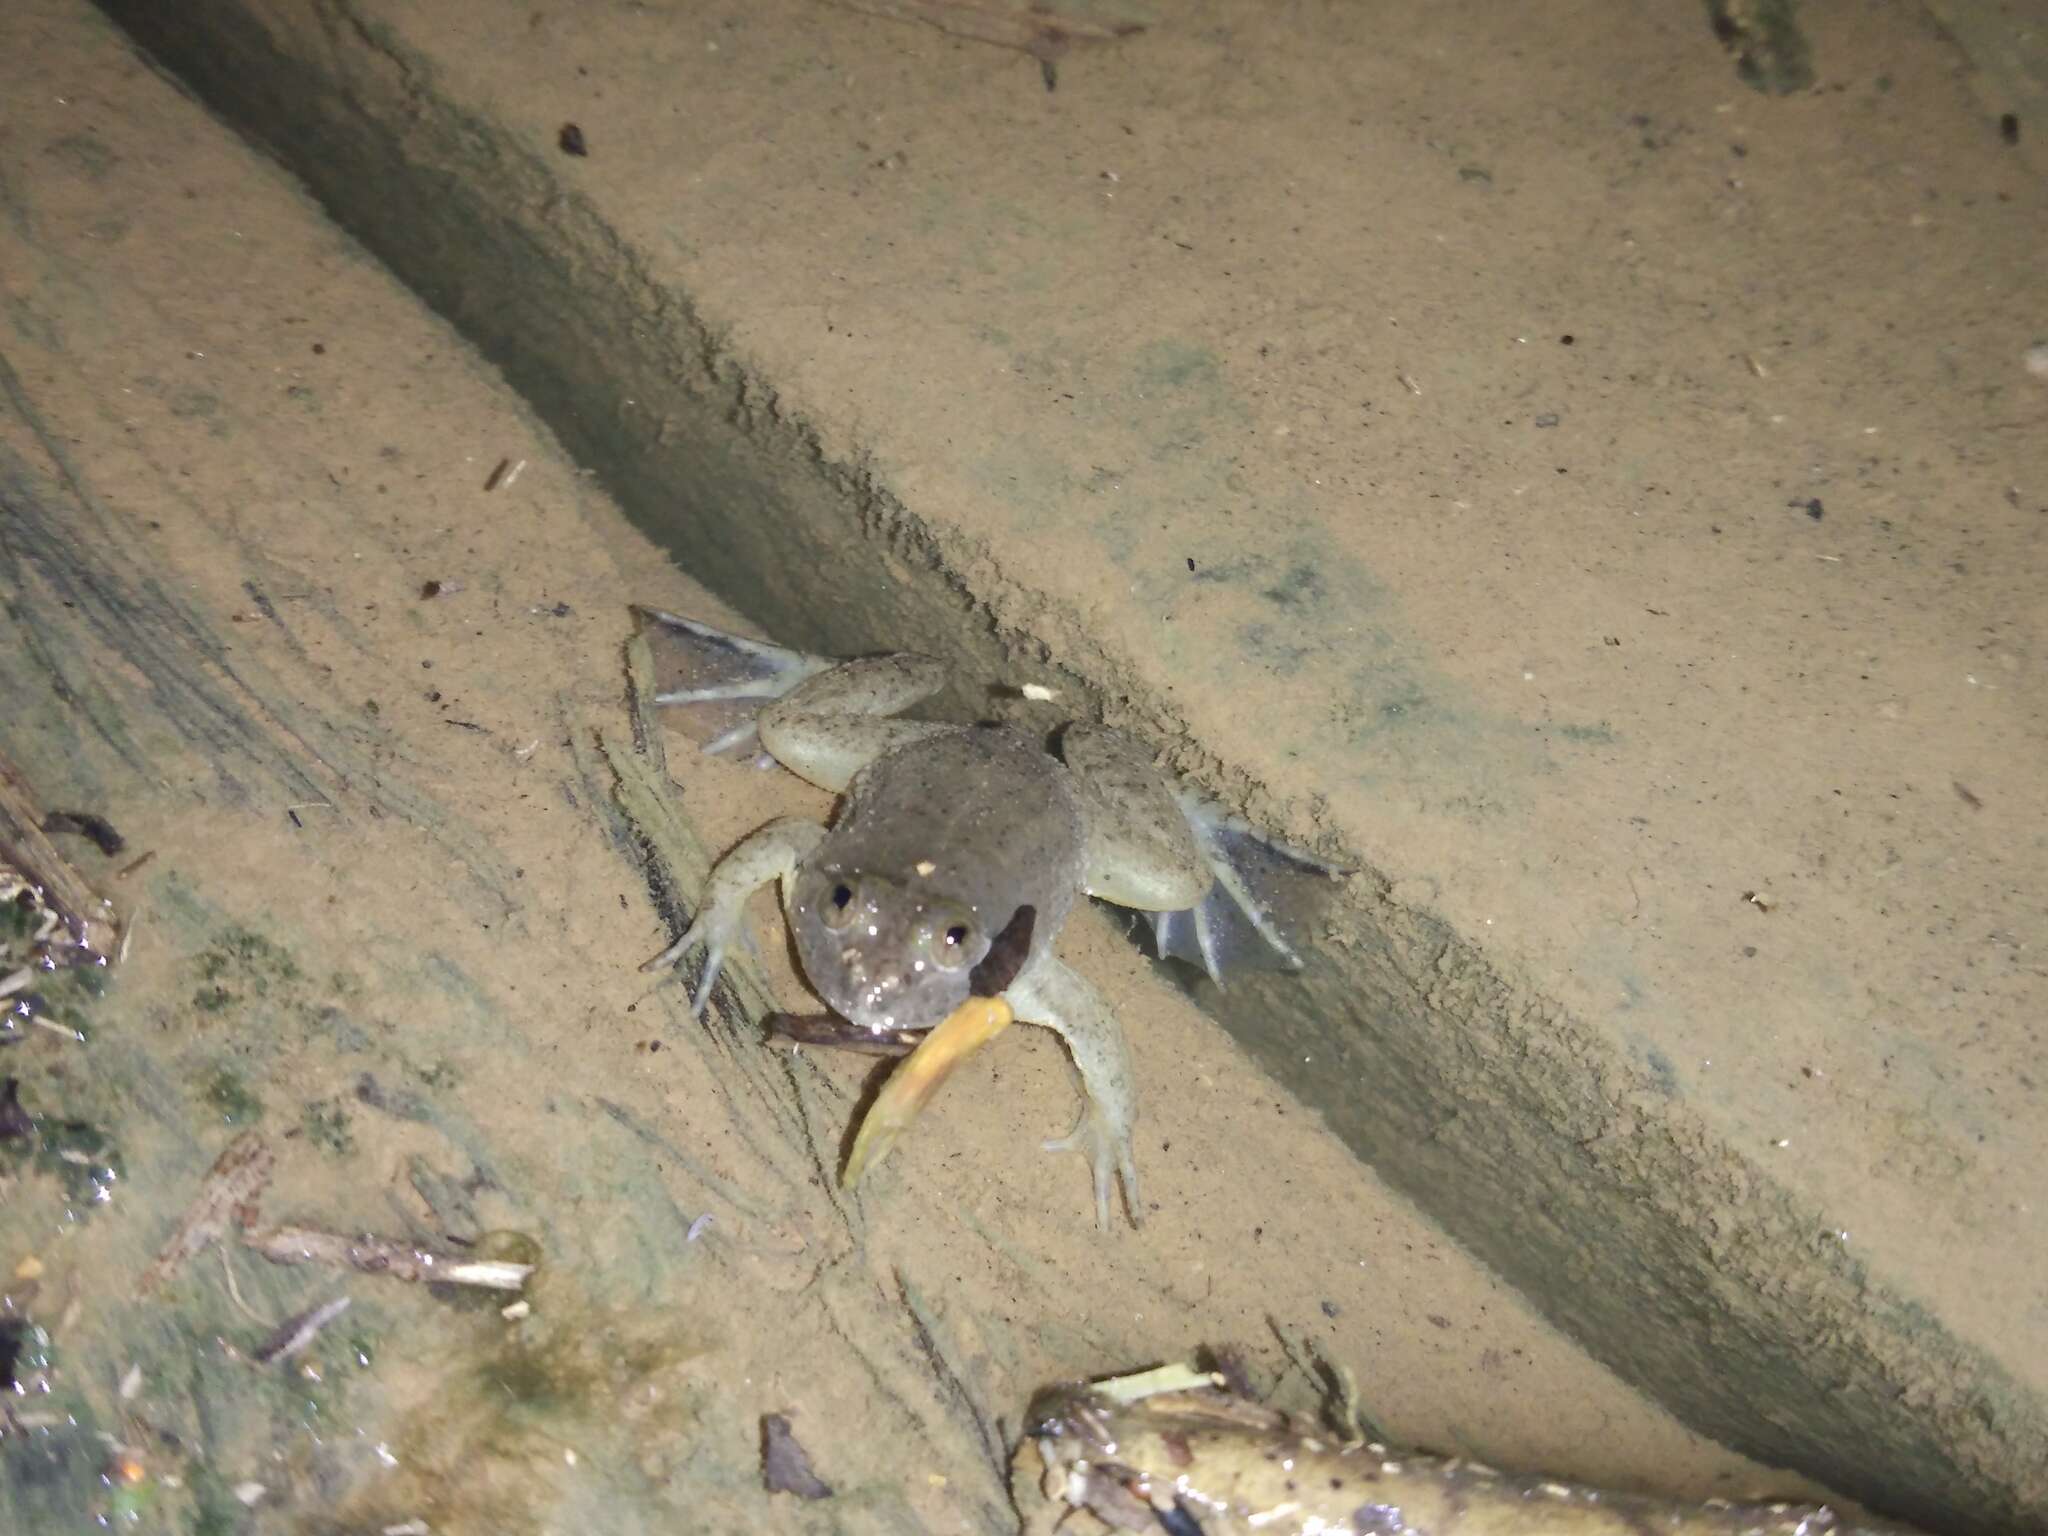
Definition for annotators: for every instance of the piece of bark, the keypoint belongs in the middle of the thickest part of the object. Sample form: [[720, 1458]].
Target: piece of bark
[[228, 1194]]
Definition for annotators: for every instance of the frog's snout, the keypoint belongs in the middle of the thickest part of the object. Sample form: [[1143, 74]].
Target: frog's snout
[[883, 990], [877, 984], [881, 956]]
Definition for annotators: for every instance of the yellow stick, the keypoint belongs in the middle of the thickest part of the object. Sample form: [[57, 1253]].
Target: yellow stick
[[966, 1030]]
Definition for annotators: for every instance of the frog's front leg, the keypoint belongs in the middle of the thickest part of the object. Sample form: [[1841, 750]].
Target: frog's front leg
[[1064, 1002], [771, 852]]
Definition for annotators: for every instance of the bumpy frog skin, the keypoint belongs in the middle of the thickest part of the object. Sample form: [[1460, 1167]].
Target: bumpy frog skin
[[1172, 1452], [955, 857]]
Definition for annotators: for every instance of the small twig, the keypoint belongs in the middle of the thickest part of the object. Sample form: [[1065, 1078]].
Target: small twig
[[227, 1269], [370, 1254], [294, 1334], [133, 865], [1036, 29]]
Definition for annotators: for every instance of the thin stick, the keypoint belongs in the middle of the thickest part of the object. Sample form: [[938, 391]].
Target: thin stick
[[295, 1333], [370, 1254]]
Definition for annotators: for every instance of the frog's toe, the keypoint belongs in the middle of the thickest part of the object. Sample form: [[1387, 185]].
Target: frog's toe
[[719, 682], [1109, 1158], [714, 940], [1264, 891]]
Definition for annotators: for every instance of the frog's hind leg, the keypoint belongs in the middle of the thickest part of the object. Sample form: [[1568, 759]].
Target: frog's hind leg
[[1212, 886], [821, 717], [830, 726], [1238, 925], [1063, 1001], [721, 682]]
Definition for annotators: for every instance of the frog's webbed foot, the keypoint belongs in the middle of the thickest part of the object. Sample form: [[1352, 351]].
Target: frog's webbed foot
[[822, 717], [721, 682], [1261, 891], [715, 931], [1109, 1158], [1217, 891]]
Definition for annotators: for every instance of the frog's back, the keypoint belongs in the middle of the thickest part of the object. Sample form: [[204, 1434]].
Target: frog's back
[[990, 810]]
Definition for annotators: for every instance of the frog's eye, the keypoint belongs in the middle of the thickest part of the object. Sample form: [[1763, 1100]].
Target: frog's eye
[[836, 910], [949, 948]]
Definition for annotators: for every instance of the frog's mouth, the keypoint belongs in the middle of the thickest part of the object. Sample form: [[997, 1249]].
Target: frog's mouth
[[991, 978], [894, 954]]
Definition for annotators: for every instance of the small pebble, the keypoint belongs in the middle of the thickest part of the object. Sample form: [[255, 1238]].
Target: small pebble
[[2037, 359]]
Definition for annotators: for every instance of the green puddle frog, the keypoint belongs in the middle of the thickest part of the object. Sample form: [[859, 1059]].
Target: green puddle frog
[[956, 855]]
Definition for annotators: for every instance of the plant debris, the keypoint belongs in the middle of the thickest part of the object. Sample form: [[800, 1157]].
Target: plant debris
[[785, 1465], [227, 1195], [374, 1255], [295, 1333], [15, 1122], [68, 922]]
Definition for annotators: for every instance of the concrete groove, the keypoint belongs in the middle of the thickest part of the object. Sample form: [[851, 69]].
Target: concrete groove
[[1658, 1245]]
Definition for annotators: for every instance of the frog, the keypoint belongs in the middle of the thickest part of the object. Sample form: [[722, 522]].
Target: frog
[[1185, 1452], [955, 857]]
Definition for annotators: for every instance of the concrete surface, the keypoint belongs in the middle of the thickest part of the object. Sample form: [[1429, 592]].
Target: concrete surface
[[1602, 504], [391, 854]]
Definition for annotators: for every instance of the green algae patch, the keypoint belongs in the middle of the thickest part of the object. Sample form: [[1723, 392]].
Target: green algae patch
[[77, 1156], [228, 1094]]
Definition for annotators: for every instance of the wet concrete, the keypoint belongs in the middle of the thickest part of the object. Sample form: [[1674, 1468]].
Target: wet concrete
[[1689, 971], [309, 609]]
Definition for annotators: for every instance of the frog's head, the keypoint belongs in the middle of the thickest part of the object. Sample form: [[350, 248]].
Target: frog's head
[[892, 956]]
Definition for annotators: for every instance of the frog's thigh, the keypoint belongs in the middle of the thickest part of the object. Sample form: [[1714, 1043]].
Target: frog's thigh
[[831, 726], [1141, 853]]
